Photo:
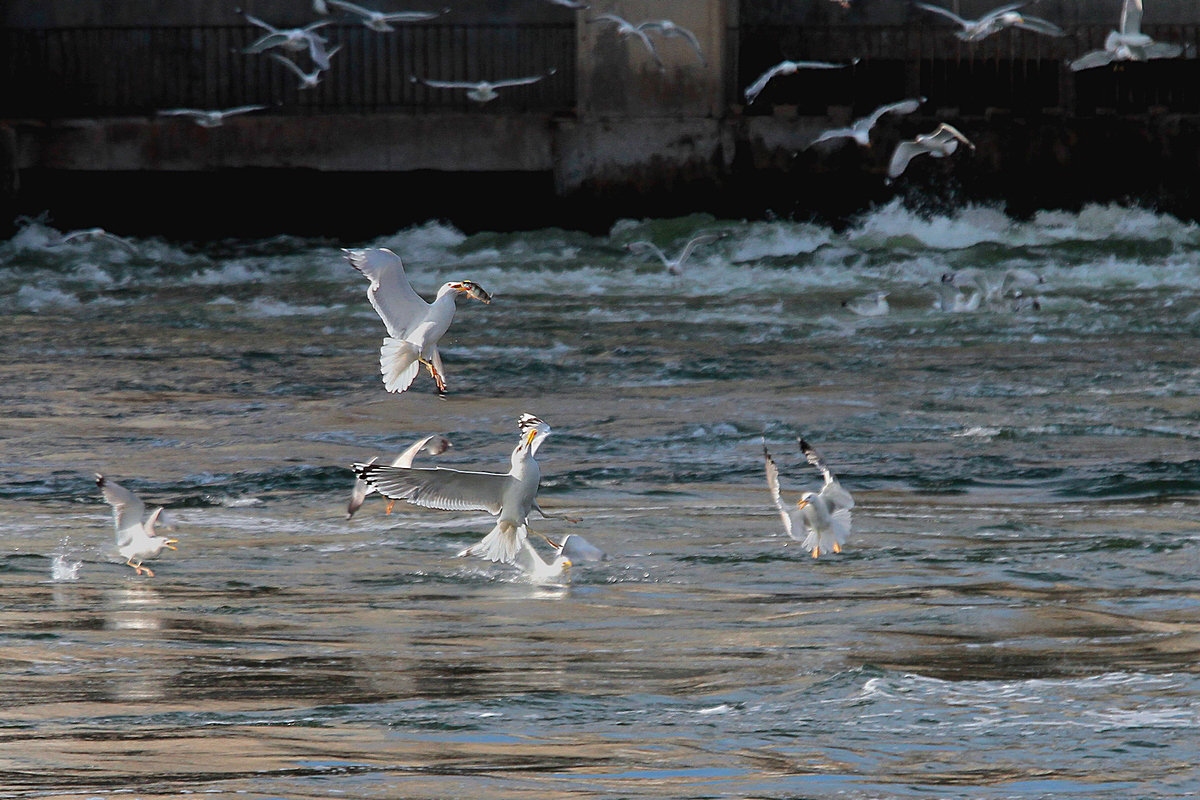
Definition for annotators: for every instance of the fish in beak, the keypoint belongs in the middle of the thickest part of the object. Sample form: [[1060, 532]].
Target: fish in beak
[[472, 289]]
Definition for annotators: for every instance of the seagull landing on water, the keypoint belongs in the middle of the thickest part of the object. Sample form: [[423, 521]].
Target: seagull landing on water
[[974, 30], [414, 326], [136, 539], [860, 129], [482, 91], [433, 444], [824, 516], [941, 142], [508, 496], [674, 266], [1127, 44], [381, 21], [208, 119], [787, 68]]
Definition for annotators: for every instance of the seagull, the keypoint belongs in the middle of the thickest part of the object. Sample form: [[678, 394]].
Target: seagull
[[874, 304], [860, 129], [823, 515], [625, 29], [949, 298], [788, 68], [509, 496], [940, 143], [579, 550], [482, 91], [380, 20], [1128, 44], [433, 444], [93, 235], [675, 265], [538, 569], [973, 30], [1012, 280], [414, 326], [208, 119], [296, 40], [135, 539], [577, 5], [308, 80], [666, 28]]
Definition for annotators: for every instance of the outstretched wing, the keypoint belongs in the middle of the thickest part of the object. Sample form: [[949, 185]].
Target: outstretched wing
[[773, 488], [413, 16], [995, 12], [653, 248], [905, 152], [1039, 25], [754, 89], [947, 132], [704, 238], [945, 12], [521, 81], [351, 7], [440, 488], [445, 84], [832, 491], [1131, 17], [390, 293], [128, 509], [902, 107], [287, 62]]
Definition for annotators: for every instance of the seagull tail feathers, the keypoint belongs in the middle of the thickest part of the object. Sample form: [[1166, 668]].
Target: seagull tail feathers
[[501, 545], [399, 362]]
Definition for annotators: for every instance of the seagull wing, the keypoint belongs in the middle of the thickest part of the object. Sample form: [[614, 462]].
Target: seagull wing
[[945, 12], [686, 34], [351, 7], [440, 488], [905, 152], [946, 133], [754, 89], [1096, 58], [704, 238], [287, 62], [902, 107], [128, 510], [995, 12], [1038, 25], [832, 491], [256, 21], [815, 459], [1162, 50], [447, 84], [773, 488], [194, 113], [833, 133], [267, 42], [405, 459], [517, 81], [1131, 17], [653, 248], [229, 112], [413, 16], [390, 293]]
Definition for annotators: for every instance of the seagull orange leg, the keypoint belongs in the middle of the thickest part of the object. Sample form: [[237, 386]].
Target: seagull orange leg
[[390, 504]]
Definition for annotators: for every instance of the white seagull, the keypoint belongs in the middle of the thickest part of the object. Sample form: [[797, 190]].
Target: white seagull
[[579, 549], [433, 444], [380, 20], [674, 266], [787, 68], [667, 29], [823, 515], [941, 142], [414, 326], [296, 40], [1127, 44], [482, 91], [508, 496], [874, 304], [973, 30], [208, 119], [1011, 281], [536, 568], [860, 129], [135, 539], [308, 80], [948, 298], [626, 29]]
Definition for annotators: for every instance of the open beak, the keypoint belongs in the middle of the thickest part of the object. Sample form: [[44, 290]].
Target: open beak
[[472, 289], [801, 504], [171, 544]]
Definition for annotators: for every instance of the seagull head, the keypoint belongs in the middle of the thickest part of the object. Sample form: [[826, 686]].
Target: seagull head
[[471, 289], [533, 432], [170, 544]]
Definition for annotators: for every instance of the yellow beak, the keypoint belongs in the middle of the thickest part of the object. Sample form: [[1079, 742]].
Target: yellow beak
[[171, 544]]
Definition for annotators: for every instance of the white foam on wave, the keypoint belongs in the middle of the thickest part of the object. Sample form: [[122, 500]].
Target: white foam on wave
[[268, 307], [38, 298]]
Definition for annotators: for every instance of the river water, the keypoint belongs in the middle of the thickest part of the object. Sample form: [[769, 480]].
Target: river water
[[1014, 615]]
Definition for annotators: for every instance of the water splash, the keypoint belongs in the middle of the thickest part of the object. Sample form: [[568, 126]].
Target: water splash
[[61, 567]]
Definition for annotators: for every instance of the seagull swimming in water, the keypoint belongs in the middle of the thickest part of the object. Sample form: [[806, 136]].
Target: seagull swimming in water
[[939, 143], [413, 325], [482, 91], [823, 516], [1127, 44], [860, 129], [208, 119], [974, 30], [136, 534], [674, 266], [510, 497], [381, 21], [787, 68], [874, 304], [433, 444]]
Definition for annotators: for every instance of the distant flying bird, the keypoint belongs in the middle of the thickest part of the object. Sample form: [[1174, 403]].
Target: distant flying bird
[[308, 80], [874, 304], [482, 91], [137, 538], [576, 5], [414, 326], [380, 20], [675, 265], [974, 30], [824, 516], [860, 129], [626, 29], [297, 40], [940, 143], [433, 444], [666, 28], [787, 68], [208, 119], [1127, 44]]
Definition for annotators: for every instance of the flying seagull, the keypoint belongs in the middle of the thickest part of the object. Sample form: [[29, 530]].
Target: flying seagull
[[941, 142], [674, 266], [626, 29], [666, 28], [1127, 44], [974, 30], [381, 21], [137, 538], [296, 40], [482, 91], [433, 444], [787, 68], [208, 119], [823, 517], [860, 129]]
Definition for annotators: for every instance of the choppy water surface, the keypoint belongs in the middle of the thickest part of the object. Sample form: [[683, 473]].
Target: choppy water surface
[[1014, 616]]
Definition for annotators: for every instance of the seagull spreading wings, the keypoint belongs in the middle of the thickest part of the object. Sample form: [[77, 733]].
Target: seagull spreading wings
[[974, 30], [940, 143], [626, 29], [508, 496], [675, 265], [136, 536], [433, 444], [414, 326], [860, 129], [823, 516], [787, 68], [308, 80], [482, 91], [295, 39], [666, 28], [381, 21], [1127, 44], [208, 119]]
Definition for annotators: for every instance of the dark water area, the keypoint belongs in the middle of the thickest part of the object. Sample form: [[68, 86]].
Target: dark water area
[[1014, 614]]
